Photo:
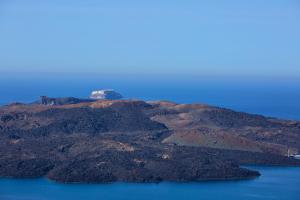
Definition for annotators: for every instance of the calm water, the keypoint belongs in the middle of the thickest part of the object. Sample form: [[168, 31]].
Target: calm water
[[276, 183]]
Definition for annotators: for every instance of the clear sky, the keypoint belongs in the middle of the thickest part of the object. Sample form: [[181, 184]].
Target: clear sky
[[256, 38]]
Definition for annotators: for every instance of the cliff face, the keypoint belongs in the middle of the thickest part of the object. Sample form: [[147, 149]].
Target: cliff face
[[137, 141]]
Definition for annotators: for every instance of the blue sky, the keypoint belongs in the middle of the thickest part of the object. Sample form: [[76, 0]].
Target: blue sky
[[242, 38]]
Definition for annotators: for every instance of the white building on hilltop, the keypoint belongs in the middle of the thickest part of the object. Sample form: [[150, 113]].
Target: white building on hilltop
[[105, 94]]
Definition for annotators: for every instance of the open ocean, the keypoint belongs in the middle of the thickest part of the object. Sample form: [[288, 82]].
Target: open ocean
[[275, 98]]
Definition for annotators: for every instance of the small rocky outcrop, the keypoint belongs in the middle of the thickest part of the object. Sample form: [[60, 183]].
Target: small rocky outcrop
[[61, 101]]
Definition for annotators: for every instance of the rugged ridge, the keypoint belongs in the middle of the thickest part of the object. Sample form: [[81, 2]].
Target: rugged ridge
[[136, 141]]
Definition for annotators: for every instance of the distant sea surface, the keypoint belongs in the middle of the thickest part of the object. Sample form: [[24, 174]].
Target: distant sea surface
[[276, 183], [272, 97]]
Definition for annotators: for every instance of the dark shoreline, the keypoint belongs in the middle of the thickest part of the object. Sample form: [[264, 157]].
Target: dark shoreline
[[169, 182]]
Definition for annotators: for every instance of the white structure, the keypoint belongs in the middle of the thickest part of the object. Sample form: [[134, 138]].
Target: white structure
[[297, 156], [105, 94]]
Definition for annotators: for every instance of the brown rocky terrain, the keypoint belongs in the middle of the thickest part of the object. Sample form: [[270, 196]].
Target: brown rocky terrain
[[73, 140], [203, 125]]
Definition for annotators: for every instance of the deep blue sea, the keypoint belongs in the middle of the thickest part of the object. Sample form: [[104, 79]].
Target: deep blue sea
[[276, 183], [271, 97]]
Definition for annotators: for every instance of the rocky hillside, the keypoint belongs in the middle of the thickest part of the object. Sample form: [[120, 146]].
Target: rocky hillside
[[203, 125], [137, 141]]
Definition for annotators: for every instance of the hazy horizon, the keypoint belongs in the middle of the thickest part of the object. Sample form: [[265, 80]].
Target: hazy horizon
[[215, 39]]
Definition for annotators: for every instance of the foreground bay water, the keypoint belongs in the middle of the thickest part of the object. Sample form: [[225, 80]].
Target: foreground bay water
[[276, 183]]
